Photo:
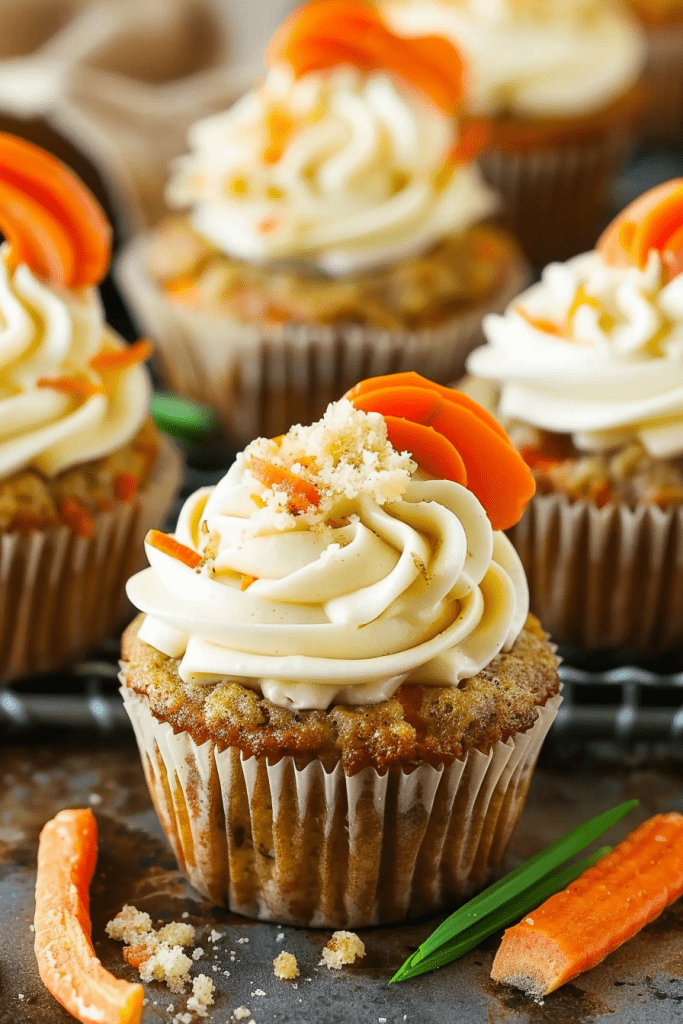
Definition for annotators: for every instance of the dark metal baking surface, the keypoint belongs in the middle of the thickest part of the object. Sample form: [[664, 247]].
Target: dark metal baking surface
[[641, 982]]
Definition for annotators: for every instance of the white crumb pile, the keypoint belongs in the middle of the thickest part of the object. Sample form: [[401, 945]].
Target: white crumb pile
[[285, 966], [343, 948], [343, 455], [158, 955]]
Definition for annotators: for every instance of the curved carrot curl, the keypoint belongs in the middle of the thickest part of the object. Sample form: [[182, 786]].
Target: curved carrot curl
[[653, 221], [496, 473], [327, 33], [75, 385], [121, 358], [53, 222], [428, 447], [607, 905], [66, 959], [301, 493], [170, 546]]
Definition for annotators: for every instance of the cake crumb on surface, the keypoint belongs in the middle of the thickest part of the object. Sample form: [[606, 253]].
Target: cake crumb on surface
[[241, 1012], [197, 953], [214, 936], [157, 955], [202, 995], [177, 934], [285, 966], [131, 926], [343, 948], [169, 964]]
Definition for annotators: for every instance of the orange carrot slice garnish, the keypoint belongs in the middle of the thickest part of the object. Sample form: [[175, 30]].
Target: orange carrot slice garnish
[[496, 473], [328, 33], [170, 546], [411, 379], [607, 905], [121, 358], [653, 221], [302, 494], [50, 218], [428, 447], [66, 959], [76, 385]]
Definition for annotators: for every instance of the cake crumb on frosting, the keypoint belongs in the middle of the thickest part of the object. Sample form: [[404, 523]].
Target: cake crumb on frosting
[[343, 948], [344, 454], [285, 966]]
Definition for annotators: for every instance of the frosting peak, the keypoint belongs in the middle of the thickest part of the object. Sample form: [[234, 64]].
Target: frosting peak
[[325, 569]]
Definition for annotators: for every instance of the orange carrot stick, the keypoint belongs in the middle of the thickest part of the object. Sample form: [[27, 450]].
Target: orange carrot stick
[[302, 494], [496, 473], [46, 183], [66, 959], [121, 358], [431, 450], [170, 546], [607, 905]]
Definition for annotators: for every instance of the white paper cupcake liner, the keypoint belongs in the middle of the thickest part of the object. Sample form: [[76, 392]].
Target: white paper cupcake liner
[[554, 199], [662, 122], [308, 847], [262, 380], [60, 595], [604, 578]]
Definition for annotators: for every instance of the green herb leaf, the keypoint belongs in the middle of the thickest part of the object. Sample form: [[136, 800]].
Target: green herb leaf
[[516, 908], [516, 882], [181, 417]]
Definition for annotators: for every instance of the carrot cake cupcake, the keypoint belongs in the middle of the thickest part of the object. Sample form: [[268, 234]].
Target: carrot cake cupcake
[[559, 111], [337, 692], [587, 367], [83, 472], [332, 224], [662, 22]]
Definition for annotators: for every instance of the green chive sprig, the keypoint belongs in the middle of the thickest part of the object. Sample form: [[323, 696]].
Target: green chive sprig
[[512, 896]]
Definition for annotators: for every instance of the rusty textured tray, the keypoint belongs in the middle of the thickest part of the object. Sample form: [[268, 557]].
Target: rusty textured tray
[[641, 982]]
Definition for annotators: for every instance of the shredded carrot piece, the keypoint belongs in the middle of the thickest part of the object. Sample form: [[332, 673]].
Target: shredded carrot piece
[[121, 358], [77, 386], [302, 494], [607, 905], [247, 581], [258, 500], [170, 546], [547, 326], [136, 956], [279, 126], [52, 221], [68, 967], [125, 486], [326, 33], [73, 514]]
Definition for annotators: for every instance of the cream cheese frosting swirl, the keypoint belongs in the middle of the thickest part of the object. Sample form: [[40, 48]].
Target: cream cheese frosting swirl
[[50, 334], [594, 351], [533, 57], [391, 578], [339, 170]]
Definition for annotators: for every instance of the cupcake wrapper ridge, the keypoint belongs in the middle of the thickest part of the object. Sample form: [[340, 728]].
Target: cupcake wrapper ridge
[[608, 577], [299, 845], [663, 119], [60, 594], [262, 380]]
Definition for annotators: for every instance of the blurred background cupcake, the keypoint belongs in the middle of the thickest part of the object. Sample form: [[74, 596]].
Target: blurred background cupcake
[[586, 370], [335, 227], [111, 88], [83, 471], [556, 84], [337, 693], [662, 22]]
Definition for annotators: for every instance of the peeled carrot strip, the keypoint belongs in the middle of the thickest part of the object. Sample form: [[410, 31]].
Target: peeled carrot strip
[[121, 358], [302, 494], [412, 379], [431, 450], [77, 386], [607, 905], [170, 546], [48, 184], [496, 473], [327, 33], [66, 959]]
